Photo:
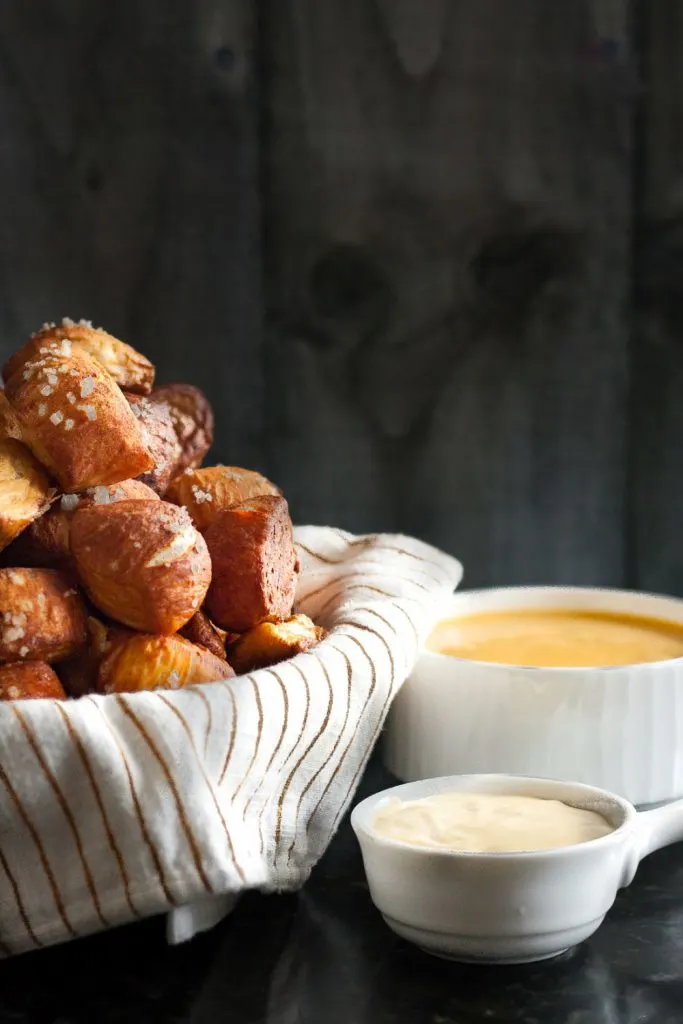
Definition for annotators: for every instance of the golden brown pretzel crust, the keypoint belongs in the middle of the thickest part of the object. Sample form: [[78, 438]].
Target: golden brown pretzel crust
[[143, 662], [46, 541], [9, 424], [210, 490], [192, 418], [30, 680], [142, 562], [128, 367], [25, 490], [76, 420], [271, 642], [43, 617], [154, 418], [200, 630], [253, 558]]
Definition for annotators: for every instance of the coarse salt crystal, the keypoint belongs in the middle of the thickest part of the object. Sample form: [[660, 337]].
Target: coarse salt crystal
[[90, 411], [101, 495], [23, 651], [56, 417], [68, 503], [13, 633], [87, 387], [46, 391], [71, 398], [69, 425], [42, 409]]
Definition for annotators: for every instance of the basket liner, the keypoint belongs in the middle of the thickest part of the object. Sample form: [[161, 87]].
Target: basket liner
[[116, 808]]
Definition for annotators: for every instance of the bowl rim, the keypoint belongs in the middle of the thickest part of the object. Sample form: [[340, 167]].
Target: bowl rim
[[427, 655], [365, 806]]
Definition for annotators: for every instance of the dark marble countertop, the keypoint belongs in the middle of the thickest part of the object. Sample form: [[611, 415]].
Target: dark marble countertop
[[326, 957]]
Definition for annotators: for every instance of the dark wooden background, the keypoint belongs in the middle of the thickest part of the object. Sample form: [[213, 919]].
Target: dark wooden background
[[425, 256]]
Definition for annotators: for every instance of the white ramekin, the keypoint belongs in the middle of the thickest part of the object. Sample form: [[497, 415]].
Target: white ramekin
[[618, 728]]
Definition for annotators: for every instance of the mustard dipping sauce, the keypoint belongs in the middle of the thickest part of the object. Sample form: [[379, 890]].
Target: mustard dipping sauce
[[557, 638]]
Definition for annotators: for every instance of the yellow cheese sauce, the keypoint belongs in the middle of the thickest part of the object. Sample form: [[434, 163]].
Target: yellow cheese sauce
[[557, 638], [488, 823]]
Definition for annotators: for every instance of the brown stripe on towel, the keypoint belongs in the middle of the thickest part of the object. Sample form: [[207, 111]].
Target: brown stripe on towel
[[277, 746], [182, 814], [66, 811], [183, 721], [227, 688], [85, 761], [342, 758], [341, 585], [309, 748], [209, 716], [257, 744], [295, 668], [147, 839], [369, 629], [14, 885], [373, 738], [56, 894]]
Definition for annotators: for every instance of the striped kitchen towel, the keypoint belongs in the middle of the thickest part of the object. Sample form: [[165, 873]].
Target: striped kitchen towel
[[116, 808]]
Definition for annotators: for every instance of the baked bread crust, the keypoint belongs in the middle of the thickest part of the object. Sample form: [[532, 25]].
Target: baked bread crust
[[192, 418], [271, 642], [200, 630], [142, 662], [209, 490], [46, 542], [154, 419], [76, 420], [142, 563], [25, 490], [127, 367], [43, 616], [254, 559], [31, 680]]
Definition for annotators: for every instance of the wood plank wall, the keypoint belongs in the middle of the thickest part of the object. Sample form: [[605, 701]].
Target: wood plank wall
[[422, 254]]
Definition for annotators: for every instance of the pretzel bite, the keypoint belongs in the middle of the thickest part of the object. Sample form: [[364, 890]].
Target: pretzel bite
[[25, 490], [76, 420], [200, 630], [142, 563], [192, 418], [129, 369], [29, 681], [206, 492], [79, 674], [155, 422], [253, 558], [43, 616], [143, 662], [46, 541], [270, 642], [9, 424]]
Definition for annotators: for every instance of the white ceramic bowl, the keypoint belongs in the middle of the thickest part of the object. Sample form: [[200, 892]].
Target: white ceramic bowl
[[619, 728], [507, 907]]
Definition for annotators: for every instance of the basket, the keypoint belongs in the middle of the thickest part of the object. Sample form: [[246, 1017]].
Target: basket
[[116, 808]]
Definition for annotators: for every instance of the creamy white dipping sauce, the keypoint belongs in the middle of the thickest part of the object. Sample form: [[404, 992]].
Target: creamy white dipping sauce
[[488, 823]]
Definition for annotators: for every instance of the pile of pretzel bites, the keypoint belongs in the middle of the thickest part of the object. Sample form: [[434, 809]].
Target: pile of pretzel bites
[[126, 566]]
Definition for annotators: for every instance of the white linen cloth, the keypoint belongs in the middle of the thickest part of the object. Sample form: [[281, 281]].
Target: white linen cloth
[[116, 808]]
